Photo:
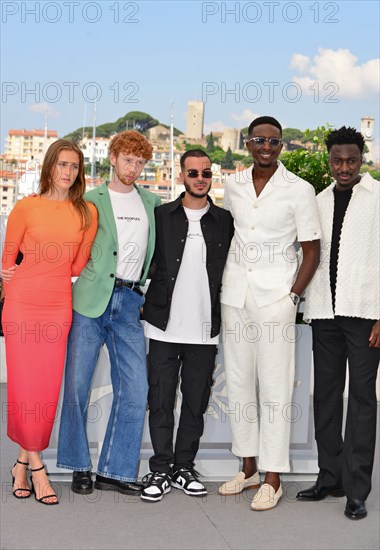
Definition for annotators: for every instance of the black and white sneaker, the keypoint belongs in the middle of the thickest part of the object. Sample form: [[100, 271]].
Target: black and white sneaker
[[187, 480], [156, 486]]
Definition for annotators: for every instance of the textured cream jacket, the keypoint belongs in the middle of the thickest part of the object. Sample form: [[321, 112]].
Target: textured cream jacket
[[358, 276]]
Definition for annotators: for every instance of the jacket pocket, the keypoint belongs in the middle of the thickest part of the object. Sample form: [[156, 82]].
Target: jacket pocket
[[87, 273], [157, 293]]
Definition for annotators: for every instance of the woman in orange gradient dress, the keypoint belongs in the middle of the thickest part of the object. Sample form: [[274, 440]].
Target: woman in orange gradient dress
[[54, 231]]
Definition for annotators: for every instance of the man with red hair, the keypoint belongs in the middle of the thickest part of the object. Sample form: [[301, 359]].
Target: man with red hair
[[107, 300]]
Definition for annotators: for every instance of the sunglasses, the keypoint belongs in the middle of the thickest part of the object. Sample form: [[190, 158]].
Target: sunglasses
[[192, 173], [259, 141]]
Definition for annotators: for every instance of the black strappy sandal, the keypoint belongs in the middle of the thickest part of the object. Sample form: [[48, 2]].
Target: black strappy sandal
[[26, 490], [42, 499]]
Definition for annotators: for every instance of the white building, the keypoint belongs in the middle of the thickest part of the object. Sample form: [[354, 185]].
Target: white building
[[8, 186], [101, 149], [17, 181], [28, 178], [158, 133], [230, 139], [366, 128]]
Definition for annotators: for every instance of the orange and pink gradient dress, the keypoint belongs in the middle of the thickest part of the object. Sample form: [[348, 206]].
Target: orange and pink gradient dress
[[37, 310]]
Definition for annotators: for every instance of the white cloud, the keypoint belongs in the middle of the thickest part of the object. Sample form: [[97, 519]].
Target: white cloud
[[337, 67], [43, 108], [242, 119], [217, 126], [245, 117], [300, 62]]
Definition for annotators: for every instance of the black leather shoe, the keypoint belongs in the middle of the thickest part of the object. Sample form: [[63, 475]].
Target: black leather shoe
[[355, 509], [319, 492], [125, 487], [82, 483]]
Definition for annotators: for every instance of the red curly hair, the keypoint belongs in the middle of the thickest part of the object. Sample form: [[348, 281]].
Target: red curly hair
[[131, 142]]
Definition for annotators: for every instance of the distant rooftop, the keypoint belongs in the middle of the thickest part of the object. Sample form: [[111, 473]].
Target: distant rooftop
[[37, 133]]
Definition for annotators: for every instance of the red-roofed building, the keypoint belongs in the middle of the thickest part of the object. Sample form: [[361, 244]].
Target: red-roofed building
[[28, 144]]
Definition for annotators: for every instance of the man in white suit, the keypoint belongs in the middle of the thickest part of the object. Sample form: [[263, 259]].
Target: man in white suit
[[261, 287]]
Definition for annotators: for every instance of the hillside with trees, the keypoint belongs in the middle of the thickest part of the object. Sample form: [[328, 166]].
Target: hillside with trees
[[134, 120]]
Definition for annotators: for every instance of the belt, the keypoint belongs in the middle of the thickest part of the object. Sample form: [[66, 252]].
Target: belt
[[129, 284]]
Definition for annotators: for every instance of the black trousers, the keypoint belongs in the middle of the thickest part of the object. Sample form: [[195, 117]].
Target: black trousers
[[349, 461], [195, 364]]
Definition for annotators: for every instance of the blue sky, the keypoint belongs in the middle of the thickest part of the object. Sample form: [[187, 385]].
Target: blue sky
[[306, 63]]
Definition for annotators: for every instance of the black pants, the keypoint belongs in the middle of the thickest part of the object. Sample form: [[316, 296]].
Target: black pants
[[347, 462], [197, 362]]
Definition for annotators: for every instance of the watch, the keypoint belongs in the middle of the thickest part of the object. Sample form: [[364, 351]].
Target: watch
[[294, 298]]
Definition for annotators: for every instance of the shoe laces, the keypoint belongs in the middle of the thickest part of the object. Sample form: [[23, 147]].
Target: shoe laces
[[189, 474], [156, 478]]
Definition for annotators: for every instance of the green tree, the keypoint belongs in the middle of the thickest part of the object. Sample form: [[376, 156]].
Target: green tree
[[192, 146], [238, 157], [103, 169], [244, 133], [367, 168], [134, 120], [291, 134], [228, 161], [210, 147], [312, 166], [176, 132], [217, 156], [104, 130], [247, 161], [77, 135]]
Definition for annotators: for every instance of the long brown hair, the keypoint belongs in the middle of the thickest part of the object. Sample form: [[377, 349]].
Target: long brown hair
[[78, 188]]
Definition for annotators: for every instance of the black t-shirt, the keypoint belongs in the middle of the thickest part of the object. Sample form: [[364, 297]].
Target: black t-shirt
[[341, 200]]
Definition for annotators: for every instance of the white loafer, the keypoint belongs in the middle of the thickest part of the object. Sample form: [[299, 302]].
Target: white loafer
[[266, 498], [237, 484]]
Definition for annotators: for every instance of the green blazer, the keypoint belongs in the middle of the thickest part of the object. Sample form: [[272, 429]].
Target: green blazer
[[93, 288]]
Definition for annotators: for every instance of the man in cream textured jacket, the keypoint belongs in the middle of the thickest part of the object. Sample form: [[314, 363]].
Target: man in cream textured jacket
[[343, 303]]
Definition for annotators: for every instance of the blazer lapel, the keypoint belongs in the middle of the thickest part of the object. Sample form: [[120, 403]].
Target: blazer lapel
[[148, 203], [105, 203]]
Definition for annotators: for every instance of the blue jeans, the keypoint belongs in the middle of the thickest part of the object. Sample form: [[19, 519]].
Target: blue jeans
[[121, 330]]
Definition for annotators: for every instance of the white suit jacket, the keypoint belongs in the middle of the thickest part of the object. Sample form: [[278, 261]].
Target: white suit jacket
[[263, 252]]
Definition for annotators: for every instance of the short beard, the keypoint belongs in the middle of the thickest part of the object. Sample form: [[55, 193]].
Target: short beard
[[123, 179], [268, 164], [199, 195]]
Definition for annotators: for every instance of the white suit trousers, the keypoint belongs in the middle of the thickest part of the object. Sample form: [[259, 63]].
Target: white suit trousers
[[259, 354]]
